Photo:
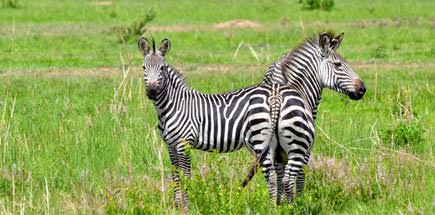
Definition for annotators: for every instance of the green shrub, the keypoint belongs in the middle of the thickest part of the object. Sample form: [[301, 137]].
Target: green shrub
[[317, 4], [135, 29], [379, 52], [403, 134], [10, 3]]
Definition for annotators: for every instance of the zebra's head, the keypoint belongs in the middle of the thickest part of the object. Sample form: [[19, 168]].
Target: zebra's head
[[335, 72], [154, 65]]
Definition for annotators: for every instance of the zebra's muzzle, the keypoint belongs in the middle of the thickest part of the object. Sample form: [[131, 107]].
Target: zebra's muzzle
[[152, 94], [359, 92], [152, 89]]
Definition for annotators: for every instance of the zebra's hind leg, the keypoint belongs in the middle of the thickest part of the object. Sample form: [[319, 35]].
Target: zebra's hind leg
[[269, 173], [279, 168], [291, 171], [300, 180]]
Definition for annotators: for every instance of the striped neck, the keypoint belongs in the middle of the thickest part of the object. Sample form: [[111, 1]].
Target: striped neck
[[174, 85], [300, 69]]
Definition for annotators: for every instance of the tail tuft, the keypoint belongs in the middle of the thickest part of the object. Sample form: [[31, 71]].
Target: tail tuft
[[251, 174]]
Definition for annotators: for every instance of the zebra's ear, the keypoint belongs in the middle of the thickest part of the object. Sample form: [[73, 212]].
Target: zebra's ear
[[143, 45], [165, 46], [336, 41], [324, 44]]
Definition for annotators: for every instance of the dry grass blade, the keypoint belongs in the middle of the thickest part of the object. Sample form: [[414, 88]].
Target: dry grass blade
[[338, 144], [237, 50], [118, 105], [47, 197], [5, 125], [254, 53]]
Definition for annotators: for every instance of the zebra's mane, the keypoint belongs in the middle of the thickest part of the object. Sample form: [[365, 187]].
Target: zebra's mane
[[312, 41], [176, 76]]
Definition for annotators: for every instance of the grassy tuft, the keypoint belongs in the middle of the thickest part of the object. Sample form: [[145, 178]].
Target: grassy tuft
[[135, 29], [317, 4], [10, 3]]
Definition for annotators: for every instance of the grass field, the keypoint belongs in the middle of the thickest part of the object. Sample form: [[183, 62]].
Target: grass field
[[78, 136]]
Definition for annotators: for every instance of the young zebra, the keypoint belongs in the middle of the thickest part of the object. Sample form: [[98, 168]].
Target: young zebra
[[312, 66], [210, 122]]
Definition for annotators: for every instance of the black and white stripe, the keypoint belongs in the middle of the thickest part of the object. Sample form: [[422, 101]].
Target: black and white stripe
[[209, 122], [308, 69]]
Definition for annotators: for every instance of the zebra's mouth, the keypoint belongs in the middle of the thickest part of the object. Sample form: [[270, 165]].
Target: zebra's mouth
[[356, 95], [152, 94], [360, 90]]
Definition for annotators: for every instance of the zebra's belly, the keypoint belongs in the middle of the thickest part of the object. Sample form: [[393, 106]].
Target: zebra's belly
[[218, 144]]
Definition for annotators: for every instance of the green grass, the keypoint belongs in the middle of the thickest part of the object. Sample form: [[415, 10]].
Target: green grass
[[73, 140], [69, 34]]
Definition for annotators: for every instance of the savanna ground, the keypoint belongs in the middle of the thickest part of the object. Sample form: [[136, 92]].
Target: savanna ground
[[77, 133]]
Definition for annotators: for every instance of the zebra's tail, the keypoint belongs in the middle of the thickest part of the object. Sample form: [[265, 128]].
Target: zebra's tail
[[251, 174], [275, 105]]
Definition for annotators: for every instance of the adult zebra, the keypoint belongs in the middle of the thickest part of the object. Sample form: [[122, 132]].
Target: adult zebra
[[210, 122], [309, 68]]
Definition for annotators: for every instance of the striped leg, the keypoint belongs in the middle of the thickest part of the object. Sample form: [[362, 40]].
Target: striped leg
[[184, 158], [300, 180], [179, 161], [279, 168], [291, 171], [270, 175]]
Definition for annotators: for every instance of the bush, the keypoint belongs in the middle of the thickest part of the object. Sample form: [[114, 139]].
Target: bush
[[403, 134], [135, 29], [317, 4], [10, 3], [379, 52]]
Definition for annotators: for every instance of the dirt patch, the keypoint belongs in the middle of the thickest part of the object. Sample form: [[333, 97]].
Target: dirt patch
[[50, 29], [100, 72], [177, 28], [103, 3], [136, 70], [238, 23], [388, 65], [285, 21], [223, 68], [219, 26], [395, 22]]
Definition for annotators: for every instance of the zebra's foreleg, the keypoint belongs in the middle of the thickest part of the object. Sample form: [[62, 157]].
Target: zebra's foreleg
[[180, 197], [184, 158], [183, 165]]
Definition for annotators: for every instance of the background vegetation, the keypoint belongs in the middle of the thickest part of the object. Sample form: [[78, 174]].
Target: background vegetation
[[77, 133]]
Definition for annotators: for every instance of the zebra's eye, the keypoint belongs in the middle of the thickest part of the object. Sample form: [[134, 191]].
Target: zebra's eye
[[162, 68], [143, 66], [337, 64]]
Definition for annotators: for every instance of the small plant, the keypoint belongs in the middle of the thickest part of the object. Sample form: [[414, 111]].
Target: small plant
[[10, 3], [408, 131], [380, 52], [403, 134], [317, 4], [135, 29]]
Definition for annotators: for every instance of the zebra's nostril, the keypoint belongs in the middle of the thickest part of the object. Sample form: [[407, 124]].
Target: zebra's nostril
[[362, 88], [359, 85], [152, 84]]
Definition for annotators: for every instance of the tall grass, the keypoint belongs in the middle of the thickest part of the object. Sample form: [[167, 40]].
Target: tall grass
[[75, 140], [89, 145]]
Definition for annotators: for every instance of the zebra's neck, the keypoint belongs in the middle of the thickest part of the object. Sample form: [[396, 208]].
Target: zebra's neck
[[174, 87], [299, 68]]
